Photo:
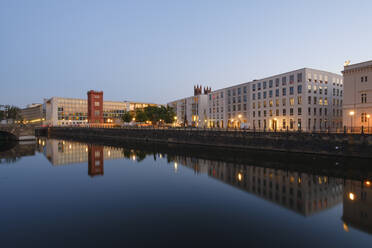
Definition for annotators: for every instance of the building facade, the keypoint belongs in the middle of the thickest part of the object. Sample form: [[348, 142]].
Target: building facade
[[357, 107], [192, 111], [71, 111], [33, 113], [304, 99], [95, 106]]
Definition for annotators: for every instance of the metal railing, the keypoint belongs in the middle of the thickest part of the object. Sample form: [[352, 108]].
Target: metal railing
[[344, 130]]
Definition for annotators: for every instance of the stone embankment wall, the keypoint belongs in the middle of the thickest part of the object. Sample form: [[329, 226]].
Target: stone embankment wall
[[356, 145]]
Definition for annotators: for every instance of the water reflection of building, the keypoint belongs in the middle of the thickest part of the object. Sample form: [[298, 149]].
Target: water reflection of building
[[95, 160], [61, 152], [357, 205], [301, 192]]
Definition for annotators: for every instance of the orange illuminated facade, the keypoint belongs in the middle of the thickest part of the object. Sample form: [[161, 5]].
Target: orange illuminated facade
[[95, 106]]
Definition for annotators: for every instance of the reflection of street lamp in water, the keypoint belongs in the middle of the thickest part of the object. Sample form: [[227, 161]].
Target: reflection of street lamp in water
[[351, 113]]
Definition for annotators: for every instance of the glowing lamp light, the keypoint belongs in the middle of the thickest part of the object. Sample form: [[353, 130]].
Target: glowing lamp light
[[367, 183], [240, 176], [346, 228], [352, 196], [240, 116], [351, 113]]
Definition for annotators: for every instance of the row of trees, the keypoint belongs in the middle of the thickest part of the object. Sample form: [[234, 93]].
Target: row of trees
[[152, 114], [10, 112]]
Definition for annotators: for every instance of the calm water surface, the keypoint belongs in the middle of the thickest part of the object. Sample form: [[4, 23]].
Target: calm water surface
[[59, 193]]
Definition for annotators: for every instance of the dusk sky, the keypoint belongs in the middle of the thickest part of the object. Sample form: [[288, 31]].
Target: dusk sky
[[155, 51]]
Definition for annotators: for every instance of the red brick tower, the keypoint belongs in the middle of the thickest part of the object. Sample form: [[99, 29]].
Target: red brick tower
[[95, 160], [95, 106]]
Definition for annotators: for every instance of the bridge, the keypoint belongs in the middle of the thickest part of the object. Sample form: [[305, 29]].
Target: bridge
[[17, 132]]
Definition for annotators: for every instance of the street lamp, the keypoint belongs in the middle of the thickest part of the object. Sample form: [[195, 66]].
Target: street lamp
[[351, 113], [368, 116]]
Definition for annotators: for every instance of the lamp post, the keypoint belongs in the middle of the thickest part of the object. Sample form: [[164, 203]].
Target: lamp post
[[351, 113], [240, 124], [368, 116]]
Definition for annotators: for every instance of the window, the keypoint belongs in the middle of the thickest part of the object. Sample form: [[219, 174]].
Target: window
[[320, 101], [291, 101], [283, 101], [96, 104], [259, 95], [270, 93], [259, 86], [299, 89], [364, 79], [221, 94], [291, 111], [299, 77], [309, 111], [284, 126], [264, 95], [314, 99], [364, 117], [314, 87], [325, 101], [245, 98], [284, 81], [254, 105], [277, 92], [253, 87], [264, 104], [264, 85], [239, 91], [97, 113], [270, 83], [309, 99], [254, 96], [284, 112], [277, 102], [277, 112], [271, 103], [277, 82], [299, 100], [234, 92], [364, 97], [245, 89], [284, 91], [291, 79], [291, 90]]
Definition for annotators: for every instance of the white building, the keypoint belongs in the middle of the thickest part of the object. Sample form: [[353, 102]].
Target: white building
[[357, 107], [192, 111], [305, 99]]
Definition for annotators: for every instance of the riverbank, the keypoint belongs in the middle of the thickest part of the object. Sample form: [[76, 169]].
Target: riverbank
[[346, 145]]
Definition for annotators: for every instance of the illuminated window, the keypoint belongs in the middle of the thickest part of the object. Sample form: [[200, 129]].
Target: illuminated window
[[291, 101]]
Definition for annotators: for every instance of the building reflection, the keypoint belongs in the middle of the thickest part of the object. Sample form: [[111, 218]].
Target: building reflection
[[357, 205], [95, 160], [303, 193]]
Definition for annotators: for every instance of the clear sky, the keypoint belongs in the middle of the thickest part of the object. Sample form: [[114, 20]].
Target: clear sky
[[155, 51]]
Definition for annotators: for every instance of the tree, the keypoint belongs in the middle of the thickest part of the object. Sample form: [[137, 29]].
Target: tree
[[141, 116], [152, 113], [127, 116]]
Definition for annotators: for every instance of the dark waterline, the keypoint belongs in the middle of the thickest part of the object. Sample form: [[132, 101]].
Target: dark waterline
[[59, 193]]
